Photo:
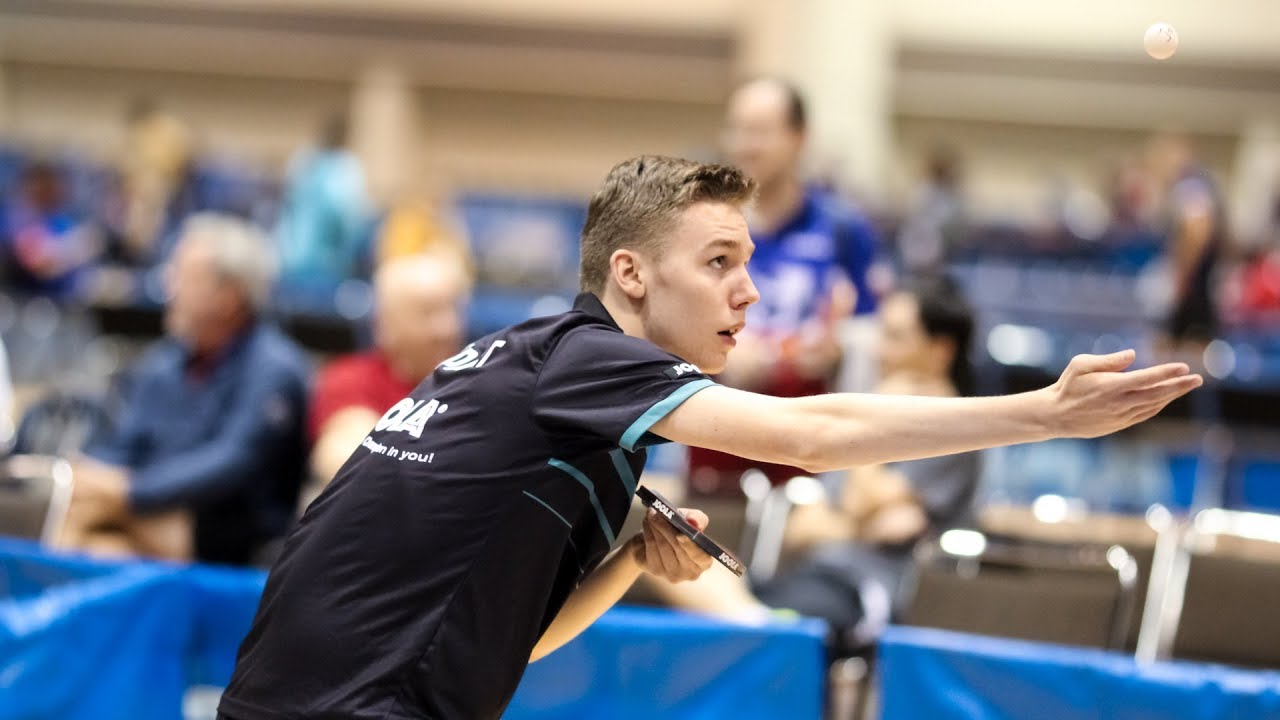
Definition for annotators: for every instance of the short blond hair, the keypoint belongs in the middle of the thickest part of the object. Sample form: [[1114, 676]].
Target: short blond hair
[[640, 201]]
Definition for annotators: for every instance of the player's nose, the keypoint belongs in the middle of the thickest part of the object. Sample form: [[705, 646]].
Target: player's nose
[[746, 292]]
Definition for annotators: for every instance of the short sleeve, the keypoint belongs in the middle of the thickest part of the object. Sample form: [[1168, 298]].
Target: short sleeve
[[606, 384]]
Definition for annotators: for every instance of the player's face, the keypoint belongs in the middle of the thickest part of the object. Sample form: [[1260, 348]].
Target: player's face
[[698, 292], [758, 138]]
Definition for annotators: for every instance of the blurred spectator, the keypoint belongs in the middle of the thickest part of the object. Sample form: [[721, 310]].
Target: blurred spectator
[[48, 250], [854, 552], [414, 227], [208, 455], [418, 324], [1129, 197], [924, 350], [157, 159], [325, 214], [937, 217], [1258, 289], [811, 265], [1255, 285], [1195, 224]]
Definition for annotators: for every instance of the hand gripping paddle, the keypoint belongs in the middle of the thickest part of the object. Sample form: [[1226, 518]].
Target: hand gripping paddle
[[664, 508]]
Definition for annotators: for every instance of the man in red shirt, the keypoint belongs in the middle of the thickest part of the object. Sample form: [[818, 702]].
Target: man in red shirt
[[418, 324]]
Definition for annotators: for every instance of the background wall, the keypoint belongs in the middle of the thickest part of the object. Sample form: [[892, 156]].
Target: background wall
[[1019, 87]]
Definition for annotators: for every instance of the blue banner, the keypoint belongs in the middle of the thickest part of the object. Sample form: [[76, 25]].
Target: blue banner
[[88, 639], [643, 664], [104, 647], [941, 675]]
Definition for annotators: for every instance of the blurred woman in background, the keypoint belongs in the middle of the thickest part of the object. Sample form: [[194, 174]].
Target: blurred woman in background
[[851, 553]]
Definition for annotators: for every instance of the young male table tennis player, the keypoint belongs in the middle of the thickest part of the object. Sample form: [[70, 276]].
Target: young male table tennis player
[[468, 534]]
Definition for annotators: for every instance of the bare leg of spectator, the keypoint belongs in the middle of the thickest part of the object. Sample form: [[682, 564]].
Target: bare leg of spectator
[[166, 536], [106, 543], [84, 519]]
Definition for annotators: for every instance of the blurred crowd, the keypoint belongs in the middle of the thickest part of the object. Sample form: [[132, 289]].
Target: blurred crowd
[[196, 436], [79, 231], [206, 436]]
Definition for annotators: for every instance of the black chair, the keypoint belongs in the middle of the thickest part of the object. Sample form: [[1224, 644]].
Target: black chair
[[1076, 526], [1213, 591], [768, 513], [850, 650], [62, 424], [35, 492], [1071, 594]]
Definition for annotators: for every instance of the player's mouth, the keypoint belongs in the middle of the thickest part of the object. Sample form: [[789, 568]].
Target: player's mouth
[[728, 335]]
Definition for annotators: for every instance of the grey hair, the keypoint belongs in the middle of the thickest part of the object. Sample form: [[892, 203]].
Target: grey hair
[[241, 253]]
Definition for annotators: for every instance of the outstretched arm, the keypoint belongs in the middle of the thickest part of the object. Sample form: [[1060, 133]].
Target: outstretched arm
[[1094, 396]]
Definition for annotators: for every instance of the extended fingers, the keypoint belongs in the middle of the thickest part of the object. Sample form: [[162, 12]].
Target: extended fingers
[[1155, 374], [1115, 362], [1166, 389], [1148, 402]]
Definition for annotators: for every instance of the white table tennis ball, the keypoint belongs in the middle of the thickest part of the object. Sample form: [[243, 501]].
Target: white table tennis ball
[[1161, 41]]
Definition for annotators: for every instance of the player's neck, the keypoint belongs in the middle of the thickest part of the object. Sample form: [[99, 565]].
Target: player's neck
[[624, 312], [776, 203]]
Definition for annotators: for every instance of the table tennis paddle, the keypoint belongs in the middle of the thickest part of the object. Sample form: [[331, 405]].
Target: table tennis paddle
[[652, 499]]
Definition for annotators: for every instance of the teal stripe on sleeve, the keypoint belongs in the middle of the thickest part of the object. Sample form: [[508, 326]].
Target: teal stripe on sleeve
[[576, 474], [623, 467], [660, 410]]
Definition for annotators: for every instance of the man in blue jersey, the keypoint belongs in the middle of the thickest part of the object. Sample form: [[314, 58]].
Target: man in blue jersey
[[471, 530], [813, 261]]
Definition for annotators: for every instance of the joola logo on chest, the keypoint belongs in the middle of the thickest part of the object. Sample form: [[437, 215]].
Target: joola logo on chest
[[676, 371], [410, 416]]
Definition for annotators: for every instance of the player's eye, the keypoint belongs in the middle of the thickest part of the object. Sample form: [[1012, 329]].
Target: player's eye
[[720, 262]]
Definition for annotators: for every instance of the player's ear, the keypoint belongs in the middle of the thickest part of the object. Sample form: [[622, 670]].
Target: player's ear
[[624, 266]]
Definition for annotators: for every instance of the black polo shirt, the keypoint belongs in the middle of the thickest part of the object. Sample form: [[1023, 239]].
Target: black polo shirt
[[418, 583]]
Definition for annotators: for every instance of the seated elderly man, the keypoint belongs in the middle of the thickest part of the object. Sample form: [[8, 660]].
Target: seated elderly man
[[210, 450], [417, 325]]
